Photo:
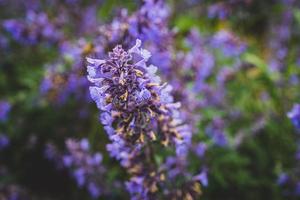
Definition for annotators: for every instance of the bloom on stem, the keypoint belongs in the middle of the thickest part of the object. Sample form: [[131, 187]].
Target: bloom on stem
[[136, 111]]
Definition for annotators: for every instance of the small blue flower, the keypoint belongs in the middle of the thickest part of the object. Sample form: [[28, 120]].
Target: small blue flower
[[80, 176], [282, 179], [201, 149], [294, 115], [202, 177], [67, 160], [84, 144], [4, 110]]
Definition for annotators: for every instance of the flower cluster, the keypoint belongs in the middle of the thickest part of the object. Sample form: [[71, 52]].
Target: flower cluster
[[137, 110], [228, 43], [41, 26], [216, 131], [86, 167], [223, 10], [293, 177], [36, 27], [281, 37]]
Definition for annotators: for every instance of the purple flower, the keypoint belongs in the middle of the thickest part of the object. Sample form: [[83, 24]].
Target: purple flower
[[135, 185], [34, 28], [229, 44], [124, 89], [297, 189], [281, 36], [79, 175], [220, 139], [97, 159], [144, 95], [14, 27], [46, 85], [4, 141], [67, 160], [202, 177], [83, 165], [106, 119], [294, 115], [4, 110], [84, 144], [94, 190], [298, 154], [219, 10], [282, 179], [216, 131], [201, 149], [136, 110]]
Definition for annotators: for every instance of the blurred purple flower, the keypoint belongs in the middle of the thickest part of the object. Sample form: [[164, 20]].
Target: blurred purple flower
[[202, 177], [230, 45], [282, 179], [135, 105], [5, 107], [218, 10], [79, 175], [200, 149], [294, 115], [94, 190], [297, 189], [216, 132], [4, 141]]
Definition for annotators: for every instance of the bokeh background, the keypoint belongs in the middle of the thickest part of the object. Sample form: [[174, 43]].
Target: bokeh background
[[241, 60]]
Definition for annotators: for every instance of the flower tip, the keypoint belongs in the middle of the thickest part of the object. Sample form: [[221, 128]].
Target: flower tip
[[89, 60], [138, 42]]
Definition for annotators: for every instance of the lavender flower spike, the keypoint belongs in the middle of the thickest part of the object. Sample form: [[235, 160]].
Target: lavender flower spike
[[129, 92], [136, 110]]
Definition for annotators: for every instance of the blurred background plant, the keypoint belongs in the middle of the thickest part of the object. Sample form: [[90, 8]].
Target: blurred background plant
[[233, 65]]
